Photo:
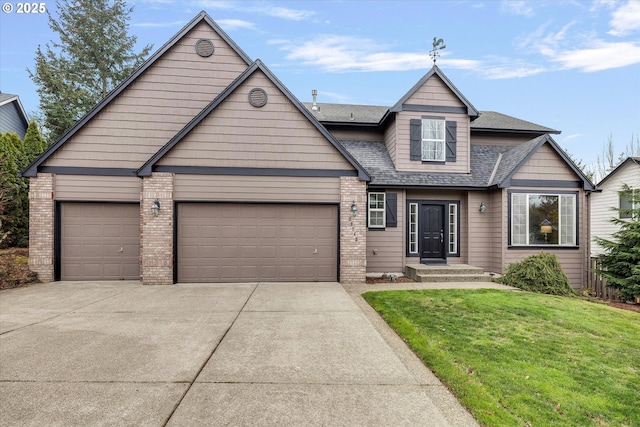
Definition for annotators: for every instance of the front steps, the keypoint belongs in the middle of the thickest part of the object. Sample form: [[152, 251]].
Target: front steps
[[439, 273]]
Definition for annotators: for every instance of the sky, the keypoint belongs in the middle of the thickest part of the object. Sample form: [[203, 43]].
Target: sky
[[572, 65]]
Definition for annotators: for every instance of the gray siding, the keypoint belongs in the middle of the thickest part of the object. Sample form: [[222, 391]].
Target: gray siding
[[548, 165], [154, 107], [356, 135], [256, 188], [11, 119], [94, 188], [510, 140], [388, 244], [236, 134]]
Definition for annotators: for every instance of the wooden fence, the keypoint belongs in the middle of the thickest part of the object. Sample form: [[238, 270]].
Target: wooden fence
[[598, 285]]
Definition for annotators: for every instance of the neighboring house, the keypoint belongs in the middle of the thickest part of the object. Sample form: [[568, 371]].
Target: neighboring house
[[611, 196], [203, 167], [12, 115]]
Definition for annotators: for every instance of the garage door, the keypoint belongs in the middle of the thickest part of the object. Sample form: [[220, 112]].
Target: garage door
[[257, 242], [99, 241]]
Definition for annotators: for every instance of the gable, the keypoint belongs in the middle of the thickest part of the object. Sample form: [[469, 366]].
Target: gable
[[546, 164], [435, 92], [147, 109], [237, 134]]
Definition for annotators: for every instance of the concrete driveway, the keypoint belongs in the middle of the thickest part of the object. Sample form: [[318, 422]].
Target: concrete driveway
[[119, 353]]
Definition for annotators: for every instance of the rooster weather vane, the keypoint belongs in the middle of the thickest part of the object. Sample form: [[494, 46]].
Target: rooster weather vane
[[438, 44]]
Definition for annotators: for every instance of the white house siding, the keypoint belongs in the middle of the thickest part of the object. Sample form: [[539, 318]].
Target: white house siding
[[602, 203], [160, 102]]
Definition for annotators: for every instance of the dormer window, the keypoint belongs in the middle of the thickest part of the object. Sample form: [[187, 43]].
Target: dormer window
[[433, 140]]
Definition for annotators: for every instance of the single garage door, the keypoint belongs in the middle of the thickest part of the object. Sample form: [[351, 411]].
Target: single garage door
[[99, 241], [220, 242]]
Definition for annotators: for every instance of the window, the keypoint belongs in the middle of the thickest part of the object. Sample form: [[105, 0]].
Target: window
[[543, 219], [376, 210], [413, 228], [433, 140], [453, 229], [626, 204]]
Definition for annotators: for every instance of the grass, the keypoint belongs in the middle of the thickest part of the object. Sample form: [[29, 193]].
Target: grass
[[524, 359]]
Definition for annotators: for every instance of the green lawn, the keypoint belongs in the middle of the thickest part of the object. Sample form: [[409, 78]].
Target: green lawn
[[524, 359]]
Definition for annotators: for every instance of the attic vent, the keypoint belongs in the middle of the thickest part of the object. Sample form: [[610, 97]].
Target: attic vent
[[204, 47], [257, 97]]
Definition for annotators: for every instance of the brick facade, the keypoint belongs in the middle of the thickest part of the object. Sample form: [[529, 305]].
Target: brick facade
[[156, 242], [353, 232], [41, 217]]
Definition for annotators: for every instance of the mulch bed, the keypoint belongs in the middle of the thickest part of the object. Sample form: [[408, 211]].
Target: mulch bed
[[401, 279], [623, 305], [14, 268]]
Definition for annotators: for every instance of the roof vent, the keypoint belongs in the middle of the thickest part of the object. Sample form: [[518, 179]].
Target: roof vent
[[204, 47], [257, 97], [314, 94]]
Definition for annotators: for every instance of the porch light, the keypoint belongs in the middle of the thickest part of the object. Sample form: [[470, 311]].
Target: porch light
[[546, 228], [483, 207], [155, 207], [354, 209]]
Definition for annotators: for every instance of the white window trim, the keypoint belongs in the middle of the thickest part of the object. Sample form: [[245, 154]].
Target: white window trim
[[383, 210], [413, 220], [453, 228], [560, 225], [443, 141], [633, 205]]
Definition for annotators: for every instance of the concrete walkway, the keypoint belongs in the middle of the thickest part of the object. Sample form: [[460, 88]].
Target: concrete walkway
[[294, 354]]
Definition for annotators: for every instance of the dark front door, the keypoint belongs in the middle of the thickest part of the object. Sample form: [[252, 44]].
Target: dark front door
[[432, 232]]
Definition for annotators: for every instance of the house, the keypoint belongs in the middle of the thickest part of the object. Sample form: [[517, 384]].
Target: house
[[203, 167], [610, 196], [13, 118]]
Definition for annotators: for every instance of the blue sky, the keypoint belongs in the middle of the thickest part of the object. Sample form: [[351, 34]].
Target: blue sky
[[569, 65]]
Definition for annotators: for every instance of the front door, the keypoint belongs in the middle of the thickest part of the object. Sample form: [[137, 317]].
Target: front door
[[432, 232]]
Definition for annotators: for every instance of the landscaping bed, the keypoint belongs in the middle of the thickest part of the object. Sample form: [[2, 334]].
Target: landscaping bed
[[14, 268]]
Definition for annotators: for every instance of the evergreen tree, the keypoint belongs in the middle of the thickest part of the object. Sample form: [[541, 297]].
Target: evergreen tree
[[620, 263], [93, 56], [15, 155]]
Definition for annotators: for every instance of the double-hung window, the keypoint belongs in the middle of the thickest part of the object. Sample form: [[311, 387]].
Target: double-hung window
[[433, 140], [376, 208], [626, 204], [543, 219]]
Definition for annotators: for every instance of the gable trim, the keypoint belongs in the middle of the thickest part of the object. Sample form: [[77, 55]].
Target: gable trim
[[32, 169], [214, 170], [470, 109], [149, 166], [75, 170], [546, 139]]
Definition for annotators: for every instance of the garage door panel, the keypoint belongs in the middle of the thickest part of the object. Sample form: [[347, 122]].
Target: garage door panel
[[257, 242], [99, 241]]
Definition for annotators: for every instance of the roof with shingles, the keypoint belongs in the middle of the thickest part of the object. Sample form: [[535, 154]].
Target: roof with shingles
[[491, 166], [374, 114]]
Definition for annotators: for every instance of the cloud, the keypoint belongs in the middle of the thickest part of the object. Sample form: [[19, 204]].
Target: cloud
[[264, 8], [160, 24], [231, 24], [602, 56], [334, 53], [519, 7], [625, 19]]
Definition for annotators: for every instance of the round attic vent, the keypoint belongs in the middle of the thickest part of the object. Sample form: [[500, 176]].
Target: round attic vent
[[204, 47], [257, 97]]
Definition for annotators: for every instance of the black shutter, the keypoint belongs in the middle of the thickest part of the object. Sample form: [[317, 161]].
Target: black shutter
[[451, 139], [415, 136], [391, 207]]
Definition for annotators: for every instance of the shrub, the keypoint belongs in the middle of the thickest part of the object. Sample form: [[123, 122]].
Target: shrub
[[540, 273]]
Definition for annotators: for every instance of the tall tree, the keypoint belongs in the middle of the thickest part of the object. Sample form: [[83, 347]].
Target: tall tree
[[15, 155], [93, 55]]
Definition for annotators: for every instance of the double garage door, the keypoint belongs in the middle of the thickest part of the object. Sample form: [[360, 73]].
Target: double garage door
[[216, 242], [219, 242]]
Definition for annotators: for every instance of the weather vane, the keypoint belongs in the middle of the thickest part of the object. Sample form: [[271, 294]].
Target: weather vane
[[438, 44]]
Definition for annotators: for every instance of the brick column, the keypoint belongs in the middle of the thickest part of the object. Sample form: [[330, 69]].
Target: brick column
[[156, 242], [353, 232], [41, 220]]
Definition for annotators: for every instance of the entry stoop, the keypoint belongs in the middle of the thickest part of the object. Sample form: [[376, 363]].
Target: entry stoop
[[446, 273]]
